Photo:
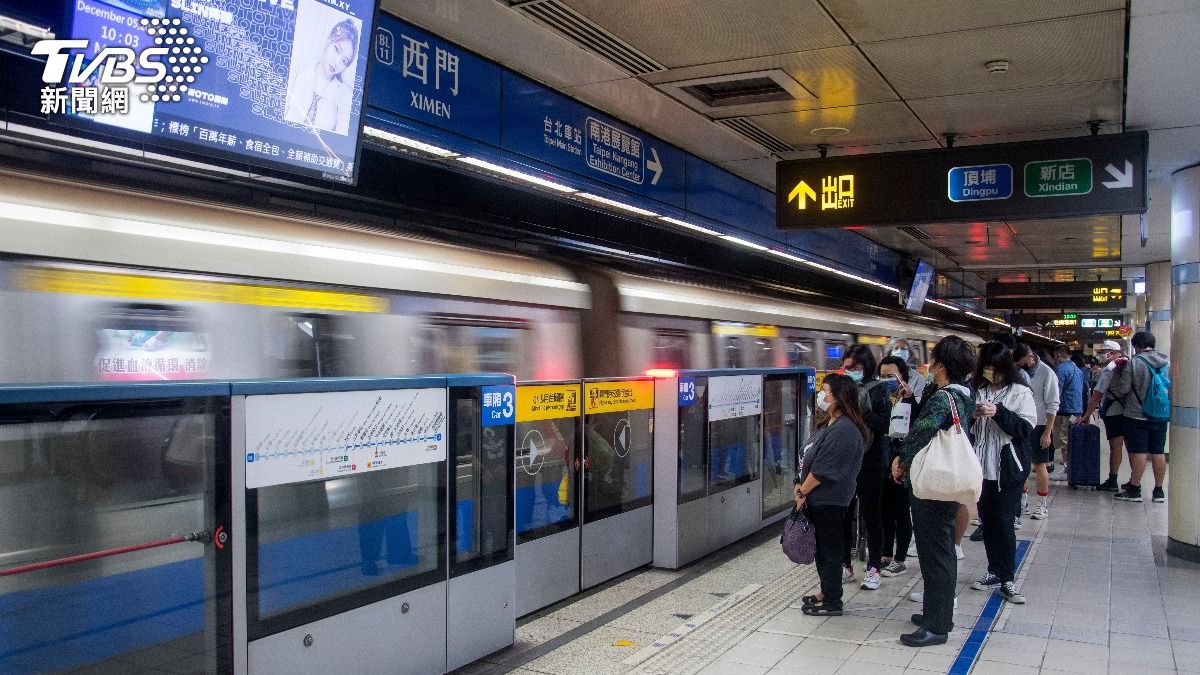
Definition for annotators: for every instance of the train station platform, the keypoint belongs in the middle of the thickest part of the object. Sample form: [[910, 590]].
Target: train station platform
[[1102, 597]]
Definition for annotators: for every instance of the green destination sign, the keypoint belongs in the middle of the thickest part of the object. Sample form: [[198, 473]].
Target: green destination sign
[[1058, 178]]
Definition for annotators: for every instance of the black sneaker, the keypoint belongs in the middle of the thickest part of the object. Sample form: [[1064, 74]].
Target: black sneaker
[[1130, 494], [977, 535], [987, 582], [1109, 485], [1158, 495], [1009, 592]]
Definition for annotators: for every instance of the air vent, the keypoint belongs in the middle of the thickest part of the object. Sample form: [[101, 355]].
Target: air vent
[[948, 252], [738, 92], [916, 233], [587, 34], [754, 134]]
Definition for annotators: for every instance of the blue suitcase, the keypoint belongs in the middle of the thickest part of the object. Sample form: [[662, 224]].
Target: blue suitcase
[[1083, 470]]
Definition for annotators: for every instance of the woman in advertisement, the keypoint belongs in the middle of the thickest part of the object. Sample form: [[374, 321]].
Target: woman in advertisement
[[321, 96]]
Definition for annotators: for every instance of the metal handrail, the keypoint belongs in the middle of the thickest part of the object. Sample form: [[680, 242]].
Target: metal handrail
[[202, 537]]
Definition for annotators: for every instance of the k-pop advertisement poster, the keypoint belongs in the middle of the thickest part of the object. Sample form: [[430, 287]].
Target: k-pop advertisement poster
[[276, 82]]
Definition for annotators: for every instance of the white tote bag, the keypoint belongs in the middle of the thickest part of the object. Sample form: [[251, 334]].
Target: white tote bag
[[901, 415], [947, 469]]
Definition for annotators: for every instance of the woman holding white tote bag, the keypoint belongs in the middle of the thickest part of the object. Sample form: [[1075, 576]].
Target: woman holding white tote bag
[[951, 362]]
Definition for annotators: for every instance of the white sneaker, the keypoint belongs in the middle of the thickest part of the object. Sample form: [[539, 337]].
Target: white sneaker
[[1017, 523], [1041, 512], [847, 575], [871, 580], [917, 596], [976, 521], [912, 551], [1025, 502], [958, 552]]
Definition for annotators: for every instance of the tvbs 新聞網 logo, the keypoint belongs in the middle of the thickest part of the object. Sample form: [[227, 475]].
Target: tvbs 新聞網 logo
[[100, 86]]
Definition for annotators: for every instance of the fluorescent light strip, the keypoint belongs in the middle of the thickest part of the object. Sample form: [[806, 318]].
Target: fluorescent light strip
[[833, 270], [615, 204], [512, 173], [703, 230], [24, 28], [408, 142], [86, 221], [947, 305], [742, 242], [1044, 337], [986, 318]]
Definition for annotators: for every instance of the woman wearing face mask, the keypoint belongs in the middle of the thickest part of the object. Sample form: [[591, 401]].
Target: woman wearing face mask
[[1004, 418], [876, 404], [828, 467], [951, 362], [916, 382], [897, 521]]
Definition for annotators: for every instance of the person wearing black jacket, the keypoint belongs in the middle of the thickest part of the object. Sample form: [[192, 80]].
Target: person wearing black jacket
[[860, 366], [897, 520]]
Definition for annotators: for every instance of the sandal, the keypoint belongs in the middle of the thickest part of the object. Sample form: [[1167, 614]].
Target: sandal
[[809, 600], [820, 610]]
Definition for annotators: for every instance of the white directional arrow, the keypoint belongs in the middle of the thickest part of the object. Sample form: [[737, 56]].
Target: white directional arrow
[[1123, 180], [654, 165]]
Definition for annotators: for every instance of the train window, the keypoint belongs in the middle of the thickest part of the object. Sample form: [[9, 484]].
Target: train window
[[693, 458], [468, 345], [731, 352], [801, 352], [834, 351], [311, 345], [761, 354], [780, 410], [672, 349], [112, 475], [547, 478], [150, 342], [482, 527]]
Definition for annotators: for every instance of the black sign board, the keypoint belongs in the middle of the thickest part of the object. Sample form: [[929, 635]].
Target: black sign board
[[1061, 178], [1111, 301], [1089, 288]]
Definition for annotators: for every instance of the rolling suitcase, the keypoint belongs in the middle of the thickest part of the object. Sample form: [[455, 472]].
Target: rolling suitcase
[[1083, 470]]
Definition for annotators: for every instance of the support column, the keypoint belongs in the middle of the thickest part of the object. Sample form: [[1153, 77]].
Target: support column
[[1158, 303], [1183, 521]]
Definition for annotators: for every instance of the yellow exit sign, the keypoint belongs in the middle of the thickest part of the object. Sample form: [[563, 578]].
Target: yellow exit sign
[[837, 192], [1107, 293]]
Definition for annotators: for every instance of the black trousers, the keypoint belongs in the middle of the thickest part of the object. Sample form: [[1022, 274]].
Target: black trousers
[[933, 525], [869, 496], [998, 506], [828, 523], [897, 520]]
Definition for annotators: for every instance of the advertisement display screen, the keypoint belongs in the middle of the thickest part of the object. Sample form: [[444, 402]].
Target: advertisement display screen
[[920, 287], [275, 83]]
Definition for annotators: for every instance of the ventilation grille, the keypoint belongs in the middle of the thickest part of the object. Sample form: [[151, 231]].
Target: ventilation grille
[[948, 252], [916, 233], [587, 34], [754, 134]]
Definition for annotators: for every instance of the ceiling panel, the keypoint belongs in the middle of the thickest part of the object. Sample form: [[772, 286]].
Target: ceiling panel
[[811, 152], [839, 76], [1078, 49], [869, 124], [1057, 107], [760, 170], [1039, 135], [890, 19], [1164, 83], [679, 34]]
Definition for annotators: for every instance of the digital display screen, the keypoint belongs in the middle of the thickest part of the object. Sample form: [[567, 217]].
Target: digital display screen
[[920, 287], [275, 83], [151, 355]]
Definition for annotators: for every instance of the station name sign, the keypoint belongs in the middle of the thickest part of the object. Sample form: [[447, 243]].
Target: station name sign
[[1062, 178]]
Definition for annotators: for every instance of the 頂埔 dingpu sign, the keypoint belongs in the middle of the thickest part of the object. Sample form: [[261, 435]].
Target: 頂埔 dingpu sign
[[1061, 178]]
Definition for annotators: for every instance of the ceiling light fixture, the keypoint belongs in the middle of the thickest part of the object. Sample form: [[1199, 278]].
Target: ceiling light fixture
[[408, 142], [512, 173], [947, 305], [829, 131], [742, 242], [996, 67], [616, 204]]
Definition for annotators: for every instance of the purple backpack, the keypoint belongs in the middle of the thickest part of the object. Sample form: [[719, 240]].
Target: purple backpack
[[799, 539]]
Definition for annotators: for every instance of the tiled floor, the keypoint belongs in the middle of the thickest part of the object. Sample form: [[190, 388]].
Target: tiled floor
[[1102, 597]]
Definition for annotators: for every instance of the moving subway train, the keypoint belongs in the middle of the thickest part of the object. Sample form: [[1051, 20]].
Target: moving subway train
[[106, 286]]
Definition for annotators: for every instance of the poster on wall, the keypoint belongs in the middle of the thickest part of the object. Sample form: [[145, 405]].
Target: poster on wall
[[151, 355], [292, 438]]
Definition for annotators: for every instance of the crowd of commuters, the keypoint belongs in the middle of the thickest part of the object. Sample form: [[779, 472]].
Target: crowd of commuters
[[1017, 407]]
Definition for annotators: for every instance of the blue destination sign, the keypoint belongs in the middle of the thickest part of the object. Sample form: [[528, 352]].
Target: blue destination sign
[[498, 405], [551, 128], [422, 77], [687, 391], [978, 183]]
